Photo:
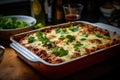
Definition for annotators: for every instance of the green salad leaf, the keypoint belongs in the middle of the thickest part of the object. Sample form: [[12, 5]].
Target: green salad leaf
[[12, 23]]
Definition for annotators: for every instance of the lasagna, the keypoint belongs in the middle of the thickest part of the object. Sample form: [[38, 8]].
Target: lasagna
[[66, 42]]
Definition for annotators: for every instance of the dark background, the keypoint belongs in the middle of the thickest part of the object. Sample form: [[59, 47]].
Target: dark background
[[91, 11], [91, 14]]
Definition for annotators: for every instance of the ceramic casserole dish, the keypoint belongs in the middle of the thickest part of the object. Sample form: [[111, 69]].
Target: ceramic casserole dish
[[69, 53]]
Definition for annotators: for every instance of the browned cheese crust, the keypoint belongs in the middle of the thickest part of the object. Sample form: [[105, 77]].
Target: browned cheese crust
[[70, 41]]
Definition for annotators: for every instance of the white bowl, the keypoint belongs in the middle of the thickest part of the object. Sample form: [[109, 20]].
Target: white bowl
[[6, 33], [106, 12]]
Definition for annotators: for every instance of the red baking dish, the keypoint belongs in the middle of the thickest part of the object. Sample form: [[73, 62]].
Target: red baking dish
[[55, 71]]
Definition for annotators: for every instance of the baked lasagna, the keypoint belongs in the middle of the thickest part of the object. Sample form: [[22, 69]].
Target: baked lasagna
[[65, 42]]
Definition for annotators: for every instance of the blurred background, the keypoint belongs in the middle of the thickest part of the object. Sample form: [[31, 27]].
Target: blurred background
[[51, 11]]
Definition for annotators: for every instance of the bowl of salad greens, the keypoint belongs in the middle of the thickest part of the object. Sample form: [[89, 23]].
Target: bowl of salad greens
[[14, 24]]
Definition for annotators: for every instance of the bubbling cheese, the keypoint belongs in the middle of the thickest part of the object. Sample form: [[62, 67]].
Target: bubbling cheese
[[73, 41]]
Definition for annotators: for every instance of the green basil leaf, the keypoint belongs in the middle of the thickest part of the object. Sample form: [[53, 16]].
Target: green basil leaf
[[70, 37], [77, 44], [59, 52], [74, 28], [62, 37], [85, 35], [83, 39], [45, 41], [99, 35], [31, 39], [61, 31]]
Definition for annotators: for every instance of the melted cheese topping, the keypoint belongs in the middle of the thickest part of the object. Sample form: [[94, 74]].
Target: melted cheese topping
[[79, 45]]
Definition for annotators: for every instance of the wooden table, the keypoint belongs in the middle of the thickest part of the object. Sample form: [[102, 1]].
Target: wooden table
[[13, 68]]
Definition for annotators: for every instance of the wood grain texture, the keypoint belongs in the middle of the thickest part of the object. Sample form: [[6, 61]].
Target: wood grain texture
[[13, 68]]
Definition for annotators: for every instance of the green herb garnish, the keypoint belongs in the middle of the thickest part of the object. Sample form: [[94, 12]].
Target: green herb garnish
[[85, 35], [61, 31], [70, 37], [83, 39], [62, 37], [67, 42], [74, 28], [31, 39], [59, 52], [99, 35], [45, 41], [77, 49], [77, 44]]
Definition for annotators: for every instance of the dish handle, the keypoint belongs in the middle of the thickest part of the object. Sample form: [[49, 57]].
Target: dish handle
[[26, 53]]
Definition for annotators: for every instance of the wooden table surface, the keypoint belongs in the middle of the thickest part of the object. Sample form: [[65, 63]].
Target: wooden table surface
[[13, 68]]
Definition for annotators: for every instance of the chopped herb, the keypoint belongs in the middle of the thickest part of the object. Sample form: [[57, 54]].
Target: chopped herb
[[85, 35], [62, 37], [70, 37], [45, 41], [39, 35], [99, 35], [31, 39], [55, 51], [74, 28], [77, 49], [67, 42], [60, 52], [61, 31], [83, 39], [77, 44]]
